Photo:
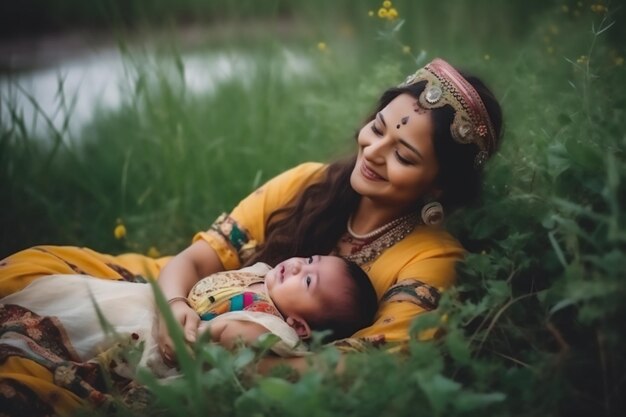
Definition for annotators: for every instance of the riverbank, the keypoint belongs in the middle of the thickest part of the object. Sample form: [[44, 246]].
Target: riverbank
[[29, 52]]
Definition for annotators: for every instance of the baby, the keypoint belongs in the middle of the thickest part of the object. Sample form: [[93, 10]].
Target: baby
[[290, 300], [314, 293]]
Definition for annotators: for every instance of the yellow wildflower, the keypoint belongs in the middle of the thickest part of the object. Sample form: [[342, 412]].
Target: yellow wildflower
[[382, 13], [619, 61], [153, 252], [370, 13], [322, 46], [598, 8], [392, 14], [487, 57], [120, 231], [406, 49], [386, 4]]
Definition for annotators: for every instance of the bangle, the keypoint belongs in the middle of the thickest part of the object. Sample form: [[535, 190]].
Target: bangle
[[174, 299]]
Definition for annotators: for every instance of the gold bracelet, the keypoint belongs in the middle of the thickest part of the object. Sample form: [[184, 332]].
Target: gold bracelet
[[174, 299]]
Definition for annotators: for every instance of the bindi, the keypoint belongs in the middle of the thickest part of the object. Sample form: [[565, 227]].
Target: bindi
[[418, 109], [404, 121]]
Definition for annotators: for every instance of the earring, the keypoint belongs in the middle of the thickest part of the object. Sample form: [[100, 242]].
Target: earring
[[432, 213]]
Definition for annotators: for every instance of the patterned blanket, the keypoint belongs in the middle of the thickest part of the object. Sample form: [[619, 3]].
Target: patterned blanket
[[43, 342]]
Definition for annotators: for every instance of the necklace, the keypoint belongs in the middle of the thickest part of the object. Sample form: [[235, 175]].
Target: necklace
[[389, 236], [377, 232]]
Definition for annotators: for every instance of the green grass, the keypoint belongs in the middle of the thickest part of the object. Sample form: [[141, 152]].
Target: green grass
[[534, 326]]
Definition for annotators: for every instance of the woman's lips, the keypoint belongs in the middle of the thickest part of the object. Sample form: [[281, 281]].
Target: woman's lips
[[369, 174]]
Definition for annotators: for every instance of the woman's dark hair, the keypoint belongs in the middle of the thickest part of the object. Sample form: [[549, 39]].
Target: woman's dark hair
[[356, 311], [317, 219]]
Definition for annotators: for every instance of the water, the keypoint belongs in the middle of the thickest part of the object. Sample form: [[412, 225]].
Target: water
[[72, 91]]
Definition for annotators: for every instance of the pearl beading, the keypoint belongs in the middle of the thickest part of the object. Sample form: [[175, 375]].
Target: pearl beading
[[390, 236], [377, 232]]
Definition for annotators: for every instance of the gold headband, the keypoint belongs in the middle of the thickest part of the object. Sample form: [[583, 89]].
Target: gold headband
[[444, 85]]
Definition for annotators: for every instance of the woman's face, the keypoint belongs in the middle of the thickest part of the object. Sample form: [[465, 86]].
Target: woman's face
[[396, 163]]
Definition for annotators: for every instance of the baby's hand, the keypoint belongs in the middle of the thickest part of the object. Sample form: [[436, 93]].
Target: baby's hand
[[203, 327], [188, 319], [214, 326]]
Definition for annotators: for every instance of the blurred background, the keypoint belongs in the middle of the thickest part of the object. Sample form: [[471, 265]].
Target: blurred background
[[159, 115], [129, 125]]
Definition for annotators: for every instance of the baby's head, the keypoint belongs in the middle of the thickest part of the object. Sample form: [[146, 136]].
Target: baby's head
[[322, 293]]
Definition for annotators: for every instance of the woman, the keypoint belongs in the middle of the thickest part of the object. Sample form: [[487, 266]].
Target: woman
[[421, 151]]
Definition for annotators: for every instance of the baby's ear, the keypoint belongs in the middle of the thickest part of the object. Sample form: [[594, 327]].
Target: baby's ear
[[300, 326]]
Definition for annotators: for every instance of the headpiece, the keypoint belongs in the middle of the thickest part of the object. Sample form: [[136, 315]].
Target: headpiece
[[444, 85]]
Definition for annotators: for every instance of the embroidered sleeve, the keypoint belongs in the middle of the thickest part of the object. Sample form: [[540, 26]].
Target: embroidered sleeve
[[235, 236], [232, 242], [413, 291], [360, 344]]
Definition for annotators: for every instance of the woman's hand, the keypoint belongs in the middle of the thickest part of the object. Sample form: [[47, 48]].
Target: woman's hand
[[188, 319], [300, 365], [176, 280]]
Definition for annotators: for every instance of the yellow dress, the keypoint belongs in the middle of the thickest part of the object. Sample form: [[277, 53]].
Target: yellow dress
[[408, 278], [56, 381]]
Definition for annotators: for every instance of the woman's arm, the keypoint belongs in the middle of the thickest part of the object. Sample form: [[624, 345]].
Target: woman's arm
[[223, 245], [176, 280], [300, 364], [228, 332]]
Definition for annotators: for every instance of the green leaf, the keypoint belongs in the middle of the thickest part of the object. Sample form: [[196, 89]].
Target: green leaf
[[583, 154], [164, 393], [561, 305], [244, 358], [276, 389], [420, 58], [564, 119], [612, 179], [425, 356], [439, 390], [471, 401], [498, 289], [457, 346], [250, 403], [397, 27], [425, 321], [557, 249]]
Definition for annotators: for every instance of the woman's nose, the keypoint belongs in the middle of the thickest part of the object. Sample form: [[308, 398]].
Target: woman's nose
[[375, 151]]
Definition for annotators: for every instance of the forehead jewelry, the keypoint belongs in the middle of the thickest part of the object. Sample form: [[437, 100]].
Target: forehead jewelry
[[471, 124], [404, 121]]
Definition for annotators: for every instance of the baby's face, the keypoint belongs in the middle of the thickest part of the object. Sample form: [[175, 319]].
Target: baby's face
[[308, 287]]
